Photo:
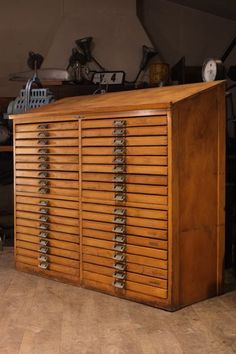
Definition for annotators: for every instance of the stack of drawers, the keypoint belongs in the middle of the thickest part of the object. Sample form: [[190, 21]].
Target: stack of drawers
[[47, 198], [125, 203]]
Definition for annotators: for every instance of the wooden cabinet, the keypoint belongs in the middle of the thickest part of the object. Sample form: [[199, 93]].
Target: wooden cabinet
[[124, 193]]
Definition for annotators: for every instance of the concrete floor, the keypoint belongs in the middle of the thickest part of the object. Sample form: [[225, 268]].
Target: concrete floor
[[39, 316]]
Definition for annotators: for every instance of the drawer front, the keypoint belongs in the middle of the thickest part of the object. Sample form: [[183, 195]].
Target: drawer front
[[125, 203], [47, 203]]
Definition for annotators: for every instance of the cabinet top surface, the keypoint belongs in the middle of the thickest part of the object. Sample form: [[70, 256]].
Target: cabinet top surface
[[151, 98]]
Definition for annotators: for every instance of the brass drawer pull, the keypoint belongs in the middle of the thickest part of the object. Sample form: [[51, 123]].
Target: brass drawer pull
[[119, 160], [44, 202], [118, 132], [43, 242], [43, 234], [119, 266], [43, 249], [43, 190], [43, 126], [119, 211], [43, 265], [119, 142], [43, 226], [119, 229], [43, 142], [119, 123], [43, 174], [119, 169], [118, 151], [42, 158], [43, 151], [119, 238], [118, 248], [44, 218], [119, 197], [119, 179], [119, 188], [119, 257], [43, 183], [119, 275], [43, 166], [43, 258], [43, 135], [44, 211], [119, 284], [118, 220]]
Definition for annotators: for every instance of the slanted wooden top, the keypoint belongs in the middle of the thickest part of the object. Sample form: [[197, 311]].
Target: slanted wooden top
[[152, 98]]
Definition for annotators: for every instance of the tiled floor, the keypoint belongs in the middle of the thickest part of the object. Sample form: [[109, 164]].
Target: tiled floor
[[39, 316]]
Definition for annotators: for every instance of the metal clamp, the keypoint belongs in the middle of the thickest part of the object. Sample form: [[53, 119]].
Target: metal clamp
[[43, 135], [119, 123], [118, 248], [44, 226], [119, 275], [43, 174], [43, 142], [118, 151], [43, 151], [43, 126], [119, 266], [44, 218], [44, 265], [43, 234], [44, 211], [43, 249], [119, 142], [120, 257], [118, 284], [43, 258], [119, 211], [43, 190], [44, 202], [43, 242], [120, 197]]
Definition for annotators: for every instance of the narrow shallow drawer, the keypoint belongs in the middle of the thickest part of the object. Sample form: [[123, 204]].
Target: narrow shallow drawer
[[47, 218], [32, 127], [129, 151], [48, 151], [144, 179], [45, 182], [128, 122], [47, 226], [44, 166], [128, 169], [46, 142], [129, 160], [129, 131], [47, 210], [49, 134], [41, 202], [54, 235], [48, 174], [74, 159], [48, 191], [50, 250], [129, 141]]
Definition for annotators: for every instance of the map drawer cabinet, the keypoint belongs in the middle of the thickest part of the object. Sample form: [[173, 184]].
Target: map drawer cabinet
[[124, 193]]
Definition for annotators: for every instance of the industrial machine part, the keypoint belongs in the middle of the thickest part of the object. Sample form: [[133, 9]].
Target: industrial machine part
[[84, 44]]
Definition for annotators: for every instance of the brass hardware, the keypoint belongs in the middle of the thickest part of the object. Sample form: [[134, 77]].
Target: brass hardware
[[119, 284], [43, 258], [44, 218], [120, 229], [44, 211], [43, 226], [43, 135], [119, 275], [119, 123], [43, 234], [119, 188], [119, 151], [118, 220], [119, 160], [43, 183], [119, 169], [119, 142], [43, 265], [43, 174], [119, 238], [119, 132], [43, 249], [119, 211], [42, 158], [119, 197], [119, 266], [43, 166], [43, 142], [119, 178], [43, 126], [119, 257], [43, 151], [118, 248], [43, 242], [44, 202], [43, 190]]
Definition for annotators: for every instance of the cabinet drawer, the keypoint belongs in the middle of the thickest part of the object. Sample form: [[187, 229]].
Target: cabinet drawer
[[49, 134], [128, 131], [131, 267], [129, 160], [55, 235], [57, 192], [47, 166], [33, 127], [45, 182], [129, 178], [69, 246], [48, 150], [51, 250], [129, 151], [133, 169], [131, 258], [49, 174], [41, 202], [129, 141], [130, 230], [74, 159], [46, 142], [50, 218], [69, 213], [46, 226], [129, 122]]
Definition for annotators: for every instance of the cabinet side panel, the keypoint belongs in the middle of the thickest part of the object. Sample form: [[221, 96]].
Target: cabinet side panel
[[200, 195]]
